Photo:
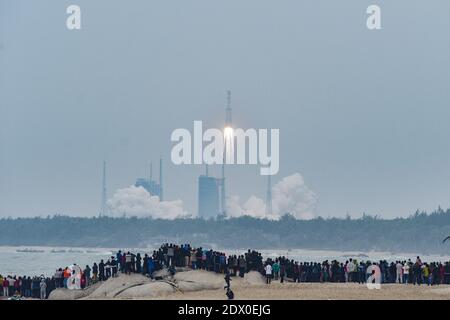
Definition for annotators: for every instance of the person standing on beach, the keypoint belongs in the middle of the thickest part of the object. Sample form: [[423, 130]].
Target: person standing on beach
[[123, 259], [94, 272], [199, 254], [138, 263], [43, 287], [87, 274], [128, 258], [235, 266], [242, 265], [361, 273], [276, 269], [5, 287], [114, 267], [399, 269], [298, 270], [150, 267], [204, 259], [268, 270], [57, 278], [446, 275], [133, 262], [406, 273], [101, 271], [11, 282], [217, 262], [60, 279], [145, 264], [67, 275], [282, 271], [417, 272], [170, 255], [230, 294], [350, 271], [368, 271], [346, 271], [426, 273], [441, 272], [193, 259], [28, 286], [227, 279], [36, 287], [107, 269], [119, 260], [18, 284]]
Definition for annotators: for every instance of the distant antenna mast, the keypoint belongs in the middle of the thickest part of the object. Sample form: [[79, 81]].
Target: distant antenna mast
[[269, 196], [151, 172], [161, 198], [104, 209]]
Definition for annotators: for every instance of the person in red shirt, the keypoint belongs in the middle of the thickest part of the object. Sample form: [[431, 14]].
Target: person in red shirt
[[5, 287], [83, 281], [66, 276], [17, 285]]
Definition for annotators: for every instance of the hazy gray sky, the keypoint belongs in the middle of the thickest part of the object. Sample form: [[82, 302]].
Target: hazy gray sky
[[364, 116]]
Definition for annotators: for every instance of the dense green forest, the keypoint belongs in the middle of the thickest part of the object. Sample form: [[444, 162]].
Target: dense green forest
[[421, 232]]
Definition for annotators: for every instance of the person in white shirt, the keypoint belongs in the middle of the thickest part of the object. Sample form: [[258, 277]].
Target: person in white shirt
[[43, 287], [406, 273], [349, 271], [399, 269], [268, 270]]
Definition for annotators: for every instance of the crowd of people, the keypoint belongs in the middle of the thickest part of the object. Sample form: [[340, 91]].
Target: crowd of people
[[402, 272], [23, 286], [281, 269]]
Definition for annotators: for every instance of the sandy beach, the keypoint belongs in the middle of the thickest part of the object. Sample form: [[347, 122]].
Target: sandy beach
[[202, 285], [321, 291]]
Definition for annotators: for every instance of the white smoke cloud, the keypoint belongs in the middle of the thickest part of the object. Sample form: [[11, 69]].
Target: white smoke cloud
[[290, 195], [253, 207], [136, 201]]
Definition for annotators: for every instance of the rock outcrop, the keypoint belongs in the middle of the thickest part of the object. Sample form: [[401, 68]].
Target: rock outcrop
[[137, 286], [65, 294], [114, 286], [155, 289]]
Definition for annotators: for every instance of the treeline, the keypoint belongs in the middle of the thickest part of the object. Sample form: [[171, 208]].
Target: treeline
[[420, 232]]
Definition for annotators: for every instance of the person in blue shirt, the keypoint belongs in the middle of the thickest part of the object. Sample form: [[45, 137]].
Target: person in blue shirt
[[150, 266]]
